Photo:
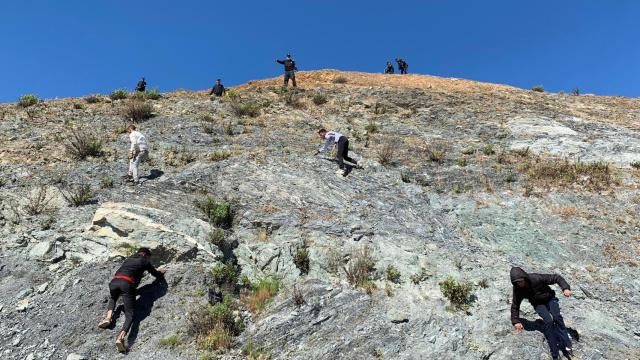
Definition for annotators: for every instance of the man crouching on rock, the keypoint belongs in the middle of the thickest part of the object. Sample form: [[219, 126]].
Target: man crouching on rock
[[124, 284], [336, 140], [138, 152], [535, 288]]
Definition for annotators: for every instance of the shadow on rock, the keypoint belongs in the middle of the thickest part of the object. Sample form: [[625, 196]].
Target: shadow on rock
[[144, 304], [154, 174]]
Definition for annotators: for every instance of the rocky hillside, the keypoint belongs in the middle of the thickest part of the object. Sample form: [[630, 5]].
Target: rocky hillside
[[406, 258]]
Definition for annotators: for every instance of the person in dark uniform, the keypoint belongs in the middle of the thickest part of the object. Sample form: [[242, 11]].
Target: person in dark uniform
[[389, 68], [142, 85], [218, 89], [535, 288], [124, 283], [402, 66], [289, 70]]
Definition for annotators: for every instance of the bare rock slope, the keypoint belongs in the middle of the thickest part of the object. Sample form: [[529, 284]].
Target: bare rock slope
[[460, 179]]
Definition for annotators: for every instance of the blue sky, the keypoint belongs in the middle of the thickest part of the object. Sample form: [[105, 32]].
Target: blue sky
[[78, 47]]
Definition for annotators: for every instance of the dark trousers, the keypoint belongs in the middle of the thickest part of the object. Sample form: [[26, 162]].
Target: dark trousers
[[121, 287], [290, 75], [342, 152], [403, 71], [554, 329]]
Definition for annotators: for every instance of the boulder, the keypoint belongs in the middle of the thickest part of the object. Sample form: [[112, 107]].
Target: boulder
[[47, 251]]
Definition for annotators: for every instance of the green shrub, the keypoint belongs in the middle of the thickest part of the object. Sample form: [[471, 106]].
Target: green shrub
[[171, 342], [462, 162], [219, 156], [319, 99], [38, 201], [538, 88], [218, 213], [28, 100], [371, 128], [81, 144], [489, 149], [78, 106], [179, 157], [434, 155], [301, 259], [225, 275], [253, 352], [119, 94], [216, 237], [386, 153], [152, 94], [597, 175], [522, 152], [458, 293], [423, 275], [215, 326], [392, 274], [249, 108], [137, 111], [106, 182]]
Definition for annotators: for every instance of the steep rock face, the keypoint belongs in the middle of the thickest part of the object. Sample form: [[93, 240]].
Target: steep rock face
[[464, 192]]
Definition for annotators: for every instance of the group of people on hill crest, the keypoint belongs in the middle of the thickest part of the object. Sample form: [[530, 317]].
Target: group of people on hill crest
[[530, 286], [402, 66]]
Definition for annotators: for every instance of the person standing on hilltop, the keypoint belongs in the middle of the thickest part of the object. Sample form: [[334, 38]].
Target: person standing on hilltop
[[138, 152], [389, 68], [218, 89], [333, 139], [402, 66], [141, 86], [535, 288], [289, 70], [125, 283]]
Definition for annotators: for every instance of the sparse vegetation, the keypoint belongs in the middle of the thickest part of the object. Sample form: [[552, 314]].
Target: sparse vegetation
[[106, 182], [386, 153], [119, 94], [248, 108], [458, 293], [489, 149], [392, 274], [179, 157], [371, 128], [423, 275], [360, 268], [152, 94], [522, 152], [28, 100], [319, 99], [301, 259], [81, 144], [261, 294], [219, 213], [551, 171], [93, 99], [218, 155], [225, 275], [252, 352], [434, 155], [298, 296], [228, 129], [340, 80], [538, 88], [217, 237], [78, 106], [78, 195], [483, 284], [462, 162], [138, 111], [215, 326], [170, 342], [38, 201]]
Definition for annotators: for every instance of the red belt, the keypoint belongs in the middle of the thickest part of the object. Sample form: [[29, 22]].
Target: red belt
[[126, 278]]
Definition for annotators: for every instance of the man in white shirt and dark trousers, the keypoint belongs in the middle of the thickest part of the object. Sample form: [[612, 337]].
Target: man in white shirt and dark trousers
[[138, 152], [333, 139]]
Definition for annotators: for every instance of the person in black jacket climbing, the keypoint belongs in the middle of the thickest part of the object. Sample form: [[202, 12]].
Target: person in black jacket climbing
[[535, 288], [141, 86], [289, 70], [389, 68], [124, 283], [218, 89]]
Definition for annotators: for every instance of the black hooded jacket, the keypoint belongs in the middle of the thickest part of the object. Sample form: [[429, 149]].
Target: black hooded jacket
[[538, 292], [135, 266], [289, 64]]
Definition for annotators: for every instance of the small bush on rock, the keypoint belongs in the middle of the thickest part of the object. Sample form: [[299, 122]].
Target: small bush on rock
[[119, 94], [225, 275], [392, 274], [360, 269], [215, 326], [219, 213], [261, 294], [219, 156], [249, 108], [27, 100], [301, 259], [106, 182], [538, 88], [319, 99], [458, 293], [386, 154], [38, 201], [78, 195], [81, 144], [92, 99], [138, 111], [170, 342], [340, 80]]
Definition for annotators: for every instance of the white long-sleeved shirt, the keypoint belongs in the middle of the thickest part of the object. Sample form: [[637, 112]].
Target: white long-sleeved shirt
[[331, 138], [138, 141]]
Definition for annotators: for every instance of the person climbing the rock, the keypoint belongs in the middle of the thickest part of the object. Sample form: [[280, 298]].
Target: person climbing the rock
[[402, 66], [138, 152], [535, 288], [340, 142], [124, 284], [289, 70], [142, 85], [389, 68], [218, 89]]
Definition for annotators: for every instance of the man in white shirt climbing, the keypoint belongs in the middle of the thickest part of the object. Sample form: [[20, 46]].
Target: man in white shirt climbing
[[333, 139], [138, 152]]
